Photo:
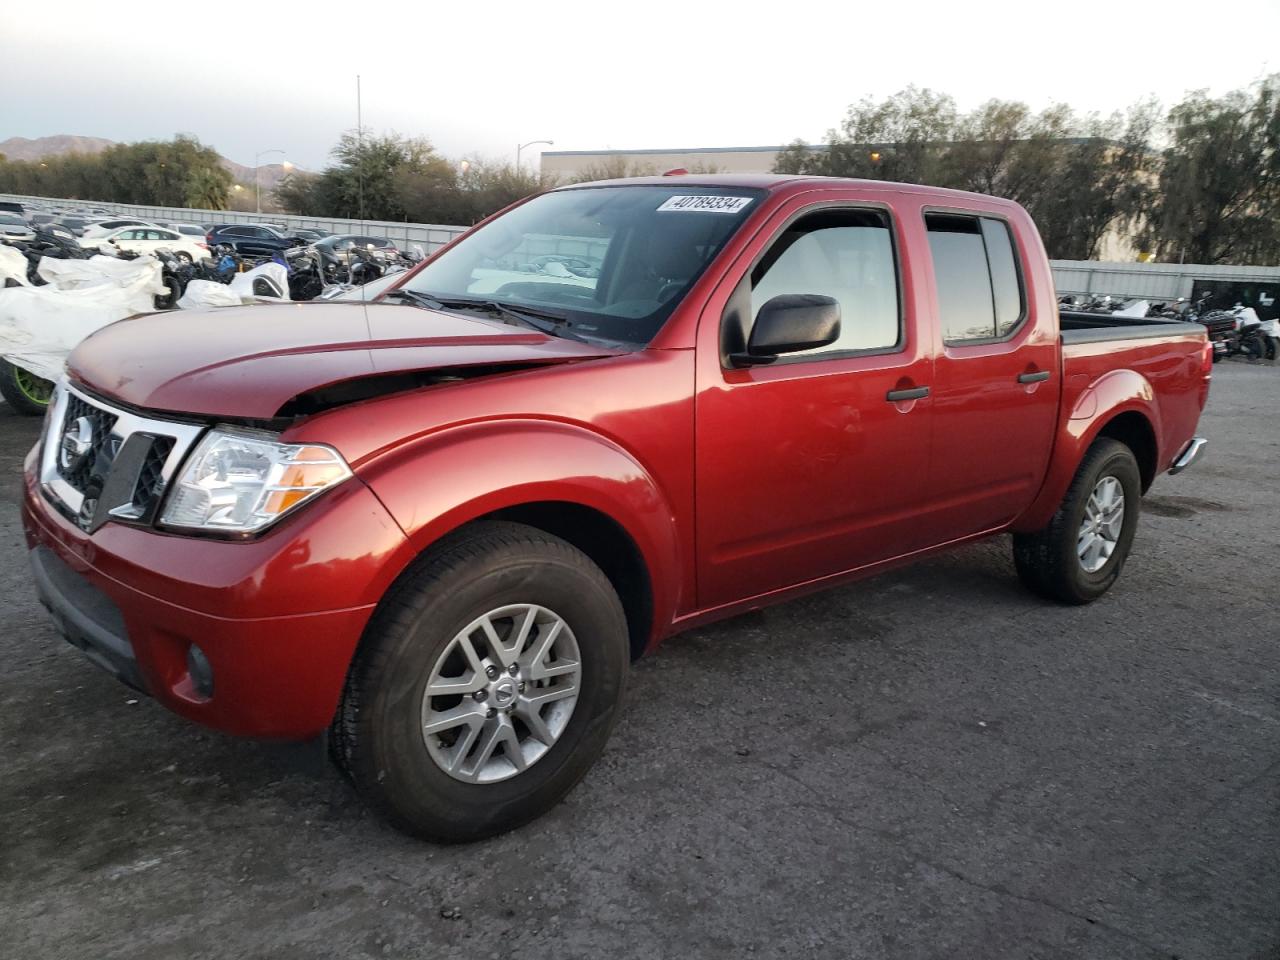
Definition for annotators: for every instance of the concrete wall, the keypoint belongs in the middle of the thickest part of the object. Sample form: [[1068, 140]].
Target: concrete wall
[[569, 164], [431, 236], [1159, 281]]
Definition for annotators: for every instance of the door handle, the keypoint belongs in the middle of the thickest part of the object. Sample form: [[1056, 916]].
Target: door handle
[[915, 393], [1037, 377]]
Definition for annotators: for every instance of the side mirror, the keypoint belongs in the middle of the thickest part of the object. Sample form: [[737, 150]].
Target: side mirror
[[788, 324]]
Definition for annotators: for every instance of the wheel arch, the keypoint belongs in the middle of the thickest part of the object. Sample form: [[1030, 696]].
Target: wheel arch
[[1120, 405], [559, 478]]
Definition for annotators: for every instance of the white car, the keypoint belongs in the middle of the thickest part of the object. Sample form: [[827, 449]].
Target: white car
[[148, 240], [104, 227], [192, 231], [14, 227]]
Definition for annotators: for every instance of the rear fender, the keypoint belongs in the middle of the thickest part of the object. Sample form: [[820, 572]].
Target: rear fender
[[447, 479], [1111, 395]]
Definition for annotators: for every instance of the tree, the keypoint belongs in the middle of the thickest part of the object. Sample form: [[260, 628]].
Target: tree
[[1219, 189], [1077, 176], [175, 173]]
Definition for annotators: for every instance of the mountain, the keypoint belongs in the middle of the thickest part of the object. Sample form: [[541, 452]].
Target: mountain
[[20, 148]]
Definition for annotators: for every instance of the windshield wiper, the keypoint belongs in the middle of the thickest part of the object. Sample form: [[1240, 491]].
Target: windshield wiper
[[420, 299], [543, 320]]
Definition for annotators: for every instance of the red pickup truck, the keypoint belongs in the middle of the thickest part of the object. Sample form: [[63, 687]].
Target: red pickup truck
[[439, 525]]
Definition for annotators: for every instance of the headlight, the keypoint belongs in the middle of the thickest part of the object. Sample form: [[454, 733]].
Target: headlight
[[242, 480]]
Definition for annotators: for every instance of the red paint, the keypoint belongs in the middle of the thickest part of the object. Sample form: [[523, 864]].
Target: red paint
[[739, 487]]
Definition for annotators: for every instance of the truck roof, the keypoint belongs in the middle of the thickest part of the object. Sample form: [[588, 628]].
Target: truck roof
[[789, 183]]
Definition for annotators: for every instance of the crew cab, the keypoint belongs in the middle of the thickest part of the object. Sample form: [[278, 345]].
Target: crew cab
[[438, 526]]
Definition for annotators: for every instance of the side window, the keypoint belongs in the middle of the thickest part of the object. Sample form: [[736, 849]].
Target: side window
[[130, 235], [843, 254], [976, 273]]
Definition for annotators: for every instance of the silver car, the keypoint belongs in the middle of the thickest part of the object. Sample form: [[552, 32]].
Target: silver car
[[14, 227]]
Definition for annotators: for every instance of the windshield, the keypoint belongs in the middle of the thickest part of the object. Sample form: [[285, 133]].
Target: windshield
[[614, 262]]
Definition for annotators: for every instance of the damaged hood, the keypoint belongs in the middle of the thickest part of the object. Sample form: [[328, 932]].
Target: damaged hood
[[251, 361]]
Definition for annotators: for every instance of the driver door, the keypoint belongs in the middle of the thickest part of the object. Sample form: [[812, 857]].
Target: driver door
[[814, 464]]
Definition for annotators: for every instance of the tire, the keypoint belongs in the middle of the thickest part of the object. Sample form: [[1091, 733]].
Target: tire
[[1048, 561], [378, 737], [169, 300], [184, 257], [26, 393]]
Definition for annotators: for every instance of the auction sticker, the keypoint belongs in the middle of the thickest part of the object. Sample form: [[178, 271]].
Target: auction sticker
[[706, 203]]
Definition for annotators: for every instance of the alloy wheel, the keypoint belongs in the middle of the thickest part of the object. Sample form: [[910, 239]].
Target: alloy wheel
[[1103, 520], [501, 693]]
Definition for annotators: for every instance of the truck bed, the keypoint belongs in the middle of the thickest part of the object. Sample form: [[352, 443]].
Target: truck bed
[[1166, 354], [1097, 327]]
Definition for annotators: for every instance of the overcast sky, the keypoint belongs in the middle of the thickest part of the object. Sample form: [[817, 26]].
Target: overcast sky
[[476, 78]]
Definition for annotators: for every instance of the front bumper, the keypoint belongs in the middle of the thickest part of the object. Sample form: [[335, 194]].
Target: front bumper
[[278, 618]]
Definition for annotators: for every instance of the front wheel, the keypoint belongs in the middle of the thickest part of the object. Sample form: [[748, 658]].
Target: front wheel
[[486, 684], [24, 391], [1079, 555]]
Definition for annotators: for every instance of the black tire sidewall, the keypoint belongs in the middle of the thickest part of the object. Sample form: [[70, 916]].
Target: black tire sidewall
[[1110, 459], [412, 790]]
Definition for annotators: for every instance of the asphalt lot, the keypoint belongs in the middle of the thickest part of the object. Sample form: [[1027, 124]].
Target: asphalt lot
[[929, 764]]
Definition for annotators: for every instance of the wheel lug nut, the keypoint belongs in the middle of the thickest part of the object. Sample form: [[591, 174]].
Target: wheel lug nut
[[521, 687], [480, 696], [491, 713], [491, 673], [513, 669]]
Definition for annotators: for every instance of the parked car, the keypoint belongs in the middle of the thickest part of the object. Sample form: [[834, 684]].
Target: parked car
[[339, 245], [251, 239], [14, 226], [439, 526], [192, 231], [12, 206], [149, 240], [103, 227], [77, 224]]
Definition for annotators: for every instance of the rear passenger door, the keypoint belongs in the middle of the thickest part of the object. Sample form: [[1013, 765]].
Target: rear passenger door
[[995, 391]]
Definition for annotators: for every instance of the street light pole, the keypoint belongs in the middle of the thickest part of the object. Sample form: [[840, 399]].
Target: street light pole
[[257, 181], [520, 147]]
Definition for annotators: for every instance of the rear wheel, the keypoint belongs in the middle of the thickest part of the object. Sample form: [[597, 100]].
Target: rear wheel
[[23, 390], [1079, 555], [486, 684]]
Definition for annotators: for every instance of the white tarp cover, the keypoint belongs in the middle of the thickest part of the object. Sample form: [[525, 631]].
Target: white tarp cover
[[13, 265], [242, 283], [207, 293], [40, 326]]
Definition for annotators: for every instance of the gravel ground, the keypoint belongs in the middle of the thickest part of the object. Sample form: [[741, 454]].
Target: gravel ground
[[929, 764]]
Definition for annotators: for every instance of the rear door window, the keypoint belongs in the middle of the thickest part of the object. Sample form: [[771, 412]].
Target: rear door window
[[976, 275]]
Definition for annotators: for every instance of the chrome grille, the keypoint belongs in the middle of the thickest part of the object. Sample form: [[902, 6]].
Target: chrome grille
[[117, 463], [86, 472], [150, 483]]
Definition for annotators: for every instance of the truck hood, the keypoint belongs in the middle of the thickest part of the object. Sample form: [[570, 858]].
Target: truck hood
[[250, 362]]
